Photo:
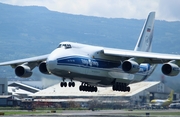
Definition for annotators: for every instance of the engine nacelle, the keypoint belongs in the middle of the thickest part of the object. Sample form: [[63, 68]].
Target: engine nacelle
[[23, 71], [130, 66], [43, 68], [170, 69]]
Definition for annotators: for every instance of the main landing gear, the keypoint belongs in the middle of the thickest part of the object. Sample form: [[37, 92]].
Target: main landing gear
[[120, 87], [70, 84], [87, 87]]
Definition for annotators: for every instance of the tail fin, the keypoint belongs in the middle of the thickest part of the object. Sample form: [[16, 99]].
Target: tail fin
[[171, 95], [146, 36]]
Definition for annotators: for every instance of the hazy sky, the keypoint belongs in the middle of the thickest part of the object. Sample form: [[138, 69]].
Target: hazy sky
[[138, 9]]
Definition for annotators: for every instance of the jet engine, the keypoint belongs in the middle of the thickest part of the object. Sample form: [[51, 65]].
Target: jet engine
[[43, 68], [23, 71], [170, 69], [130, 66]]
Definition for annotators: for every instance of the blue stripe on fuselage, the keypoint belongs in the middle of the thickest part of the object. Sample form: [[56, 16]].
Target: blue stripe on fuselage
[[78, 60], [81, 61]]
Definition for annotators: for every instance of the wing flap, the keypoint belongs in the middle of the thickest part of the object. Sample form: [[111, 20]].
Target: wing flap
[[149, 57]]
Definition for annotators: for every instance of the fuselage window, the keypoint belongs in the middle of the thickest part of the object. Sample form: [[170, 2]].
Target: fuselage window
[[66, 46], [59, 46]]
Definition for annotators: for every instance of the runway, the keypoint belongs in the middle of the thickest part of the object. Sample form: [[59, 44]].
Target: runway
[[107, 113]]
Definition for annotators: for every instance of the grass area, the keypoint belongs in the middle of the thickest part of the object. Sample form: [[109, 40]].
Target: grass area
[[9, 108], [26, 112], [20, 113]]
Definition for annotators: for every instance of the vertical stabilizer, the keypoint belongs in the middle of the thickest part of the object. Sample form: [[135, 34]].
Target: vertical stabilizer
[[171, 96], [146, 35]]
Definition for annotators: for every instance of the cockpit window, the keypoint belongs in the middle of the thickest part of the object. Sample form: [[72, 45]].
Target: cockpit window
[[66, 46]]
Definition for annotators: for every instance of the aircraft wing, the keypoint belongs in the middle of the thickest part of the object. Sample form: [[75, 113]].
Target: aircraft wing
[[36, 59], [148, 57]]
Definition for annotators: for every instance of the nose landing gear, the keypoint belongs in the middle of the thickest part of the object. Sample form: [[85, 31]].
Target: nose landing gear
[[63, 84], [70, 84]]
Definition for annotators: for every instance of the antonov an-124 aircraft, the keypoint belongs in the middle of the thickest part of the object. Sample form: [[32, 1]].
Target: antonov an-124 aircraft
[[100, 66]]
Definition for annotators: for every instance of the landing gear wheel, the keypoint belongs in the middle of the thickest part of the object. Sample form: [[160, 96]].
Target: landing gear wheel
[[65, 84], [73, 84], [87, 87], [117, 86], [70, 84], [61, 84], [81, 88], [95, 89], [128, 89]]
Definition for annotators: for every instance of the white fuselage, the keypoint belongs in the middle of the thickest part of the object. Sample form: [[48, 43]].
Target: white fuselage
[[159, 102], [88, 64]]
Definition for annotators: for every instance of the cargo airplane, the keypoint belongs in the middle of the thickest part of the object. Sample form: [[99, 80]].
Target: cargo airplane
[[101, 66]]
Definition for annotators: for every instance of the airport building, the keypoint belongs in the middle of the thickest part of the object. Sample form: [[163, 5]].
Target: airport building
[[21, 90], [3, 86], [141, 93]]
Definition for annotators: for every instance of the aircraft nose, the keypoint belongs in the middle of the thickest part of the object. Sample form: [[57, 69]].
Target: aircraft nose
[[51, 61]]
